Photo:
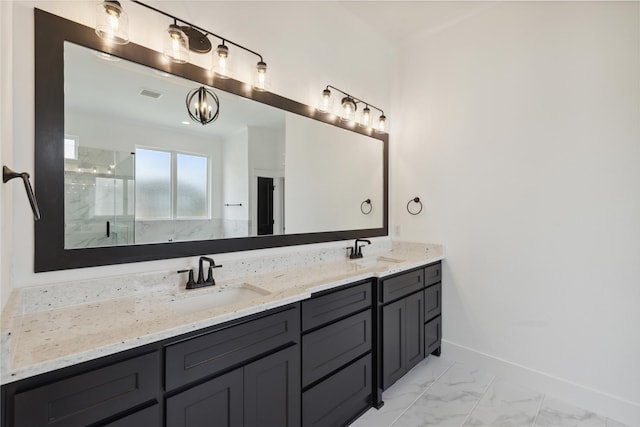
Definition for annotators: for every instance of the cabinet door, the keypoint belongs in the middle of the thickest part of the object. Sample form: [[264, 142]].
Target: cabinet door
[[414, 330], [393, 338], [272, 390], [217, 402]]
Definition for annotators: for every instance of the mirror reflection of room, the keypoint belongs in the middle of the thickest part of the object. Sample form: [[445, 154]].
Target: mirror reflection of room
[[138, 170]]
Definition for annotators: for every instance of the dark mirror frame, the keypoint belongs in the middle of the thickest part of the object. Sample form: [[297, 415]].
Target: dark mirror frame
[[51, 32]]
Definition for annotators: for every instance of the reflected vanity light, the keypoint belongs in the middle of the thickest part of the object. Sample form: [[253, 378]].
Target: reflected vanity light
[[175, 45], [221, 64], [112, 25], [349, 107]]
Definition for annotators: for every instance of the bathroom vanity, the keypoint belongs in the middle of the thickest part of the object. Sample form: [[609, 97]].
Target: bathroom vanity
[[316, 349]]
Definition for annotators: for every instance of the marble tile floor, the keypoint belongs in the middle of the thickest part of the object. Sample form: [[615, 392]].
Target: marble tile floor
[[439, 392]]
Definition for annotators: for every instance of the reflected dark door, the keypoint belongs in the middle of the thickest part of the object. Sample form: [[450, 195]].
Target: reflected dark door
[[265, 206]]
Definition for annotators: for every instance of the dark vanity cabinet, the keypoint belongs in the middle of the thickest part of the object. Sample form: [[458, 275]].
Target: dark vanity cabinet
[[242, 373], [235, 384], [404, 305], [337, 363]]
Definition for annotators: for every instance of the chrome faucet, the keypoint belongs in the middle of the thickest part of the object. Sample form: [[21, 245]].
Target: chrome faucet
[[356, 251], [201, 282]]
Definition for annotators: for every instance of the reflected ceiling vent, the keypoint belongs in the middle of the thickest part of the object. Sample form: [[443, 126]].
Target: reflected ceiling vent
[[150, 93]]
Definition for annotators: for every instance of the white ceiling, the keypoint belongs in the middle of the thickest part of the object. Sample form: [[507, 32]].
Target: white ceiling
[[398, 21]]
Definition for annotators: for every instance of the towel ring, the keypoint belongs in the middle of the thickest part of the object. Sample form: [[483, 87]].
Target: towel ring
[[362, 207], [414, 200]]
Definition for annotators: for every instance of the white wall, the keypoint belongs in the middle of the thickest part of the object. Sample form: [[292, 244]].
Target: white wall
[[302, 48], [235, 175], [6, 148], [519, 128]]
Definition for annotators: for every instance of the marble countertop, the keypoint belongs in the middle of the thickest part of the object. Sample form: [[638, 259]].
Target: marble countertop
[[53, 335]]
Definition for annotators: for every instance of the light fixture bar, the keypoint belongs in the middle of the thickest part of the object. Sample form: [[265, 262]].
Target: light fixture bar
[[206, 32], [350, 105], [356, 100]]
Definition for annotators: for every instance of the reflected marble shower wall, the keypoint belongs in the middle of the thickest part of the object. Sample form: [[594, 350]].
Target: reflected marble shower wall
[[98, 199], [160, 231]]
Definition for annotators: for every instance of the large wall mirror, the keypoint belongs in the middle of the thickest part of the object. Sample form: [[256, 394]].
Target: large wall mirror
[[124, 175]]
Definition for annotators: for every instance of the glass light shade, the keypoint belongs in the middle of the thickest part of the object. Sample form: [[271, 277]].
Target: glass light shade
[[176, 45], [348, 109], [365, 117], [326, 101], [382, 124], [221, 64], [112, 23], [261, 76]]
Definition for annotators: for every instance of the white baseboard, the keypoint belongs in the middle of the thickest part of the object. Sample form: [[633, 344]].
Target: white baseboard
[[590, 399]]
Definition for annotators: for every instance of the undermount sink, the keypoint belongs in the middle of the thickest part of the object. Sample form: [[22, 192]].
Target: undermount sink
[[217, 297], [381, 261]]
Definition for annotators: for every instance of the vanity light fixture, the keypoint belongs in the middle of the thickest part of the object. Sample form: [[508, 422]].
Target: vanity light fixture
[[183, 37], [221, 61], [112, 23], [201, 103], [261, 77], [175, 45], [349, 107], [326, 101]]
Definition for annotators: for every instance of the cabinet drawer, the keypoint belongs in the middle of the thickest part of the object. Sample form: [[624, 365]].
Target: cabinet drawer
[[432, 335], [146, 417], [399, 286], [333, 346], [433, 274], [207, 354], [341, 397], [432, 301], [326, 308], [90, 397]]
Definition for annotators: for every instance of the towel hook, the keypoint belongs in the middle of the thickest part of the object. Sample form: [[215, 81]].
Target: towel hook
[[414, 200], [8, 174], [362, 207]]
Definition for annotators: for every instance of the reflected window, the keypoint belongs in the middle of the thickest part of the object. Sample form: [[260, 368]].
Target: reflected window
[[191, 191], [171, 185], [71, 147], [153, 184]]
